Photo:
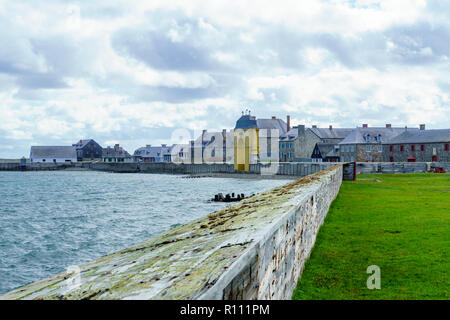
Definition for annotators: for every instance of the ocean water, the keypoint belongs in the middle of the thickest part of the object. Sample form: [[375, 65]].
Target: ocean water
[[50, 220]]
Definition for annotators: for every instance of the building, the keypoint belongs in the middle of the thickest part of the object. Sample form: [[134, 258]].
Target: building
[[419, 145], [116, 154], [153, 154], [325, 152], [180, 153], [256, 140], [365, 144], [212, 147], [88, 150], [300, 142], [58, 154]]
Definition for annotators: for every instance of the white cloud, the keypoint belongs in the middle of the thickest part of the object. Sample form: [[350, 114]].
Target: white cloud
[[131, 72]]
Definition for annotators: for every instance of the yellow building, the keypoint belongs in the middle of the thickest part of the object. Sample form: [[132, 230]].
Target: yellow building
[[248, 133]]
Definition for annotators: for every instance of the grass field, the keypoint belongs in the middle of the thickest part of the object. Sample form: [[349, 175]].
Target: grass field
[[401, 224]]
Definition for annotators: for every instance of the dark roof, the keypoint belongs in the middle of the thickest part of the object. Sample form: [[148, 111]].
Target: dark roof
[[53, 152], [153, 152], [82, 143], [117, 152], [246, 122], [327, 149], [422, 136], [278, 124], [290, 135], [358, 134], [334, 133]]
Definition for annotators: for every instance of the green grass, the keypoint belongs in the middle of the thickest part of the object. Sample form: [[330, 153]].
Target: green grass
[[401, 225]]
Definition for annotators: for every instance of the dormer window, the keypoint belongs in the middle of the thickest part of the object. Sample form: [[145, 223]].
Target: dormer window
[[367, 138], [378, 138]]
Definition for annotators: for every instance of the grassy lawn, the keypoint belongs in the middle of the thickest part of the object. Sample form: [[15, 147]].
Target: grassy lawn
[[401, 224]]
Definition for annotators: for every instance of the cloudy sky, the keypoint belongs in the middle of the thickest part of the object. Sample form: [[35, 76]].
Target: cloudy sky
[[129, 72]]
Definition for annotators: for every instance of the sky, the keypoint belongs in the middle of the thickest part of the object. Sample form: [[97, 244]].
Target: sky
[[152, 72]]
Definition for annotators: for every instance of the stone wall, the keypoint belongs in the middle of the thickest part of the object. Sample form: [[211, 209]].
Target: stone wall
[[400, 167], [255, 249], [299, 169]]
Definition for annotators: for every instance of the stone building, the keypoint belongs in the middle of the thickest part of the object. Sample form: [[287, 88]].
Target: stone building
[[116, 154], [419, 145], [302, 141], [365, 144], [325, 152], [55, 154], [88, 149], [212, 147], [151, 153]]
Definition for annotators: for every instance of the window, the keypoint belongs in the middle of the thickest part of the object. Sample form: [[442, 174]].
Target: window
[[380, 148], [342, 148], [422, 147], [379, 138], [352, 148], [402, 148], [367, 138], [368, 148], [352, 158], [289, 154], [413, 147], [348, 148], [447, 147], [391, 159], [281, 155], [391, 148], [342, 158]]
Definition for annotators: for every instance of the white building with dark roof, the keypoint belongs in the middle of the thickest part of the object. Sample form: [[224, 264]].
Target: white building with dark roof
[[55, 154]]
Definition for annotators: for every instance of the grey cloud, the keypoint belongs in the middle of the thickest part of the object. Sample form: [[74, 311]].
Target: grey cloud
[[160, 52]]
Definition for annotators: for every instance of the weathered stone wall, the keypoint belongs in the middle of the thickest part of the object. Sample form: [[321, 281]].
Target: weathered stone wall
[[299, 169], [400, 167], [255, 249], [33, 166]]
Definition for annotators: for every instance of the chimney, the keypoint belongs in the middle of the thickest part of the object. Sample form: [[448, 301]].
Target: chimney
[[331, 127], [422, 127], [254, 117], [116, 147], [406, 128], [388, 125], [365, 125], [148, 146], [314, 126], [301, 130], [288, 121], [163, 145], [274, 118]]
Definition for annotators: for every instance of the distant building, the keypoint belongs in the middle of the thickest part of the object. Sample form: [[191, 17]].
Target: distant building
[[116, 154], [180, 153], [325, 152], [88, 150], [211, 147], [365, 144], [300, 142], [153, 154], [55, 154], [253, 139], [418, 145]]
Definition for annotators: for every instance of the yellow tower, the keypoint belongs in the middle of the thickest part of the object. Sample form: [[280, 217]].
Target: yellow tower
[[246, 143]]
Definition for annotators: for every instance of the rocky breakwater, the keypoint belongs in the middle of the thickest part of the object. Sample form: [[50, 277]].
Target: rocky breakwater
[[255, 249]]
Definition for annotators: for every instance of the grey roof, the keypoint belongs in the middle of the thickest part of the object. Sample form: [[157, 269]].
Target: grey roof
[[290, 135], [53, 152], [118, 152], [82, 143], [327, 149], [358, 134], [422, 136], [272, 124], [153, 152], [334, 133]]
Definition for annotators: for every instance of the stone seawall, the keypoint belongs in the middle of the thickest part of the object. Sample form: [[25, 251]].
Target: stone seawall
[[299, 169], [255, 249], [13, 166]]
